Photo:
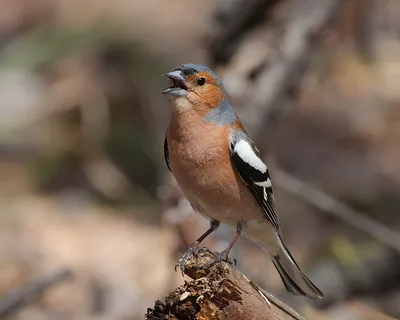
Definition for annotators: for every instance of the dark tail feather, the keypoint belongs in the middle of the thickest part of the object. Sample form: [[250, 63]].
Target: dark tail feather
[[293, 278]]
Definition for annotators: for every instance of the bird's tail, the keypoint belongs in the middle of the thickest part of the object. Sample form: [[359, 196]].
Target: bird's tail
[[293, 278]]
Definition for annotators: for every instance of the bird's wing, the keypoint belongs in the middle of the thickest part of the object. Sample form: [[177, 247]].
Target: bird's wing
[[166, 152], [254, 173]]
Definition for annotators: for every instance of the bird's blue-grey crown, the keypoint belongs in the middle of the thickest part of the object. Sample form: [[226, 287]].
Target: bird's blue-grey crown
[[193, 68]]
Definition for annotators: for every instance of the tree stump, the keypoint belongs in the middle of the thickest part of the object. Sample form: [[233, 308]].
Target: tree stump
[[219, 292]]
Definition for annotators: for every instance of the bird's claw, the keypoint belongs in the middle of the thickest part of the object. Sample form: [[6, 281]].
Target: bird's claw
[[219, 257], [192, 250]]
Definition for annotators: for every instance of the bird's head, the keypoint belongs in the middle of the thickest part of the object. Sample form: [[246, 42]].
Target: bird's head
[[196, 84]]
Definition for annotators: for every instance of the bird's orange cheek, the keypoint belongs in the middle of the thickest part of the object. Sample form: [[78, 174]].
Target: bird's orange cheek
[[212, 96], [198, 104], [205, 100]]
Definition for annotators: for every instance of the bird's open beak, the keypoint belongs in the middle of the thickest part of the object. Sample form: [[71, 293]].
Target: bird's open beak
[[178, 86]]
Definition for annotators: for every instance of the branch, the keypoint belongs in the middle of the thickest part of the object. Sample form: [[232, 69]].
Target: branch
[[337, 209], [33, 290], [219, 292]]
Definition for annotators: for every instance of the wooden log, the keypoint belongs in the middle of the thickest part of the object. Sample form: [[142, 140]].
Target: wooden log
[[219, 292]]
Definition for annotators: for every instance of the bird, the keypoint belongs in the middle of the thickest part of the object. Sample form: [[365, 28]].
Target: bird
[[219, 170]]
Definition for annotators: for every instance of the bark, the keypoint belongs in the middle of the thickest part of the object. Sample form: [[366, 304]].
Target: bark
[[219, 292]]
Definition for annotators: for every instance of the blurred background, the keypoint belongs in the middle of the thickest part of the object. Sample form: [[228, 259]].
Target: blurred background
[[91, 220]]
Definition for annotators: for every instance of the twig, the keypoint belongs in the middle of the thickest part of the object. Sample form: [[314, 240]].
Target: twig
[[269, 298], [279, 304], [31, 291], [337, 208]]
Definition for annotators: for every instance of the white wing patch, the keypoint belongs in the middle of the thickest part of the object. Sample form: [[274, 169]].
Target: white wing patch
[[265, 184], [244, 150]]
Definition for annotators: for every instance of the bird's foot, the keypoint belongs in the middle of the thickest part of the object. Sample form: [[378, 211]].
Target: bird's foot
[[191, 251], [195, 251], [218, 257]]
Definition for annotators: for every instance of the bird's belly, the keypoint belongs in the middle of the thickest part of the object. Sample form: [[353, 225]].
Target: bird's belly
[[215, 190], [201, 163]]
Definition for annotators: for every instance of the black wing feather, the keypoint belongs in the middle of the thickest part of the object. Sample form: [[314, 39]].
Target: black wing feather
[[166, 153], [250, 175]]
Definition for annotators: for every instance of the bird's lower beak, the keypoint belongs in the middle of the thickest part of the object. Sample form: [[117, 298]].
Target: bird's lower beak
[[178, 86]]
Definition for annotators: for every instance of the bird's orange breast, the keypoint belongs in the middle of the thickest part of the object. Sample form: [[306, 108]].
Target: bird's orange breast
[[201, 163]]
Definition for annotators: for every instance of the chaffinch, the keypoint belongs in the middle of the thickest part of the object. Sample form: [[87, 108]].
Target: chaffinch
[[219, 170]]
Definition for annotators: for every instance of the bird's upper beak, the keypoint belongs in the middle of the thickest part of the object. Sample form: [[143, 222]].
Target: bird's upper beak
[[178, 86]]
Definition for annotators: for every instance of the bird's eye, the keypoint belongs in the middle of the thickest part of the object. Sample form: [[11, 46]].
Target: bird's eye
[[201, 81]]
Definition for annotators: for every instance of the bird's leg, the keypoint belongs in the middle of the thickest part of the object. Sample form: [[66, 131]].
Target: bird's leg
[[224, 255], [193, 248], [239, 229]]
